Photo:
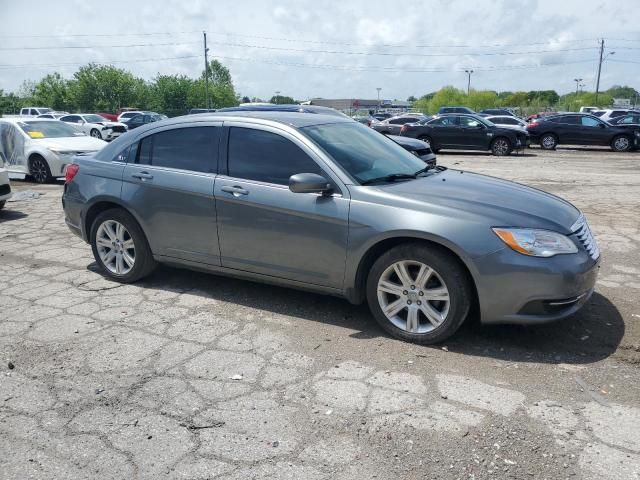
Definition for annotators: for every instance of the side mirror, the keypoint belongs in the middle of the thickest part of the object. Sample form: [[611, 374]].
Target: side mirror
[[601, 125], [309, 183], [480, 126]]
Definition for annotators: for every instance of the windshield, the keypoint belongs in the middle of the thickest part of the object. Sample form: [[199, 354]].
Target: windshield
[[95, 119], [362, 152], [49, 129]]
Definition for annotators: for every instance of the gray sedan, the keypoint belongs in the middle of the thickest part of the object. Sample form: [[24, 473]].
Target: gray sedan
[[392, 126], [326, 204]]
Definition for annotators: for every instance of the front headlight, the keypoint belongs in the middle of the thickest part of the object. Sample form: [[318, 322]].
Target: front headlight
[[536, 243], [61, 151]]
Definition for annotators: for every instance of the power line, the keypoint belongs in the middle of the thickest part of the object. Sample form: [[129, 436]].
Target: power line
[[101, 46], [107, 62], [457, 54], [64, 35]]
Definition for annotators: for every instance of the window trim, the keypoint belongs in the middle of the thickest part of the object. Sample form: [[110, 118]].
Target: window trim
[[310, 149]]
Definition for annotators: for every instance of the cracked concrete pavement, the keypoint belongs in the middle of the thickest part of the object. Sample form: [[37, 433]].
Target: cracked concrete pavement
[[192, 376]]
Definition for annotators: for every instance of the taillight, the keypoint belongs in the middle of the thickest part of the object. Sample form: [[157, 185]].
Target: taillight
[[70, 171], [533, 124]]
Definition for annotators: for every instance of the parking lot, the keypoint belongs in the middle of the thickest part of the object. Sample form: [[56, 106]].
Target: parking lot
[[193, 376]]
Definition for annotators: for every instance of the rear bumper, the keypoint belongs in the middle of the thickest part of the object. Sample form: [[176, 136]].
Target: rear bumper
[[73, 215], [517, 289]]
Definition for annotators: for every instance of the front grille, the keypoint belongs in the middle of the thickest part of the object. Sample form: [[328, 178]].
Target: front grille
[[583, 232], [423, 151], [118, 128], [5, 189]]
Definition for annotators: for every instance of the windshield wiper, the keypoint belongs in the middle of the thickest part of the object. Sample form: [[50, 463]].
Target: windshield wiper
[[389, 178]]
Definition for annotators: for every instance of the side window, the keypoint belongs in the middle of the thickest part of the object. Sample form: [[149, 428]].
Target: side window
[[627, 119], [127, 155], [188, 148], [589, 122], [444, 122], [24, 111], [34, 111], [266, 157], [469, 122]]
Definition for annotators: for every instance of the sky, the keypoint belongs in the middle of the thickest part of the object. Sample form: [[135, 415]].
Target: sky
[[331, 49]]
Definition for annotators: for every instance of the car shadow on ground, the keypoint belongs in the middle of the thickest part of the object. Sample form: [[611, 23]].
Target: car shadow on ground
[[593, 334], [8, 213]]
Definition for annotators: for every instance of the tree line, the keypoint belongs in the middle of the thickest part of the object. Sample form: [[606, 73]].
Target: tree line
[[528, 102], [105, 88]]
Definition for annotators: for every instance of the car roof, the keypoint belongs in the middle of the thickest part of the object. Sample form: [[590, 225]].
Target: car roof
[[316, 109], [293, 119], [16, 120]]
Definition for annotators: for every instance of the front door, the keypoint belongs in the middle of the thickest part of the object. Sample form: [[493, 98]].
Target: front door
[[168, 184], [474, 134], [593, 132], [267, 229]]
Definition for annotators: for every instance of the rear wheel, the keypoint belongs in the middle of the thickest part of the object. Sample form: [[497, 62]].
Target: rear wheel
[[120, 246], [39, 169], [548, 141], [621, 143], [418, 293], [501, 146]]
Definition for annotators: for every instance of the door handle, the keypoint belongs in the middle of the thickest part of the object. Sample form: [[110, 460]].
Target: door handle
[[142, 176], [235, 190]]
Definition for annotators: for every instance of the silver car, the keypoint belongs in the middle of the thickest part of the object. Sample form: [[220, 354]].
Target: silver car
[[326, 204]]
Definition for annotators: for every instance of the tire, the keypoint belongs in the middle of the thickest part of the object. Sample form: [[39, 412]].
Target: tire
[[95, 133], [39, 169], [429, 140], [129, 264], [447, 312], [2, 204], [621, 143], [548, 141], [501, 146]]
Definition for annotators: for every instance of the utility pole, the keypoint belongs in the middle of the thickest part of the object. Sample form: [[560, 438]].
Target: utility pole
[[577, 80], [378, 89], [468, 72], [206, 70], [599, 69]]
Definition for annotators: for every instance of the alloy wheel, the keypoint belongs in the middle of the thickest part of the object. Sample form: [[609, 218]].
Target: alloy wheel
[[95, 134], [621, 144], [500, 147], [39, 170], [413, 296], [115, 247], [548, 141]]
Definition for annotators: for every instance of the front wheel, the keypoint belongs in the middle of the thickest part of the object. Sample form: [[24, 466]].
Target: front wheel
[[621, 143], [39, 170], [429, 140], [501, 146], [95, 133], [120, 247], [419, 293]]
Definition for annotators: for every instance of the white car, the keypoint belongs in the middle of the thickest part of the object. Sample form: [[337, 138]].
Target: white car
[[609, 114], [95, 125], [53, 115], [130, 114], [42, 148], [507, 121], [5, 186]]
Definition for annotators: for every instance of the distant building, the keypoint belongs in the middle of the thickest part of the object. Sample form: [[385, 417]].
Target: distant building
[[349, 105]]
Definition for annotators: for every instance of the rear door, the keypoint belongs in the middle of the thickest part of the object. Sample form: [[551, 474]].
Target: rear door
[[396, 124], [169, 186], [267, 229], [445, 131], [567, 128]]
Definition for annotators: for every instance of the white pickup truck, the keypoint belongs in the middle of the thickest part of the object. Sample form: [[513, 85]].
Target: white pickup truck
[[33, 111]]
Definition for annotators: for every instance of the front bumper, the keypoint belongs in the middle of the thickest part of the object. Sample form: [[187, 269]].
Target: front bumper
[[517, 289]]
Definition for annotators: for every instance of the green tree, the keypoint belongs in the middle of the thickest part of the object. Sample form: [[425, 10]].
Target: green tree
[[618, 91], [53, 92], [9, 103], [170, 93], [281, 99], [104, 87], [480, 99], [411, 98]]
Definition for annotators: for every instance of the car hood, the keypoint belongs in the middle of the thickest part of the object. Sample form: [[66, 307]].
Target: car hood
[[409, 142], [81, 143], [479, 198]]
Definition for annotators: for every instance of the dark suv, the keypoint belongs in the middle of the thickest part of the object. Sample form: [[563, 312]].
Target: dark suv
[[466, 132], [581, 129]]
